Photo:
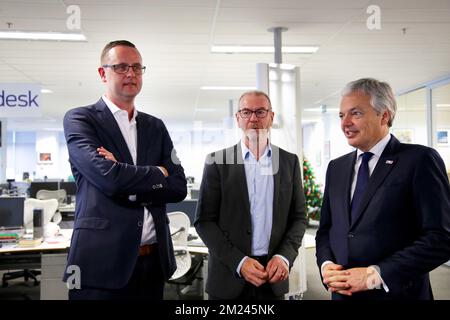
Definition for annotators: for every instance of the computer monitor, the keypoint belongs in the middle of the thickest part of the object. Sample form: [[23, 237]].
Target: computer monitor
[[44, 185], [188, 206], [11, 212], [70, 187]]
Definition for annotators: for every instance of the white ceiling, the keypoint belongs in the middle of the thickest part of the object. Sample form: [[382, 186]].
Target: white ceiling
[[174, 38]]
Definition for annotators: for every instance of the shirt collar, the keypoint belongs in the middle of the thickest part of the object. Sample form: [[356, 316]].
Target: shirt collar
[[115, 109], [246, 152], [377, 149]]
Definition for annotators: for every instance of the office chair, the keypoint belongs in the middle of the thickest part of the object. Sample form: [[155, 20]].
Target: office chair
[[187, 267], [49, 208], [59, 195]]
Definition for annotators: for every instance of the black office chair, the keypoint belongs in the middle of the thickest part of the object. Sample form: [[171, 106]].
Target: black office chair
[[26, 273], [28, 262]]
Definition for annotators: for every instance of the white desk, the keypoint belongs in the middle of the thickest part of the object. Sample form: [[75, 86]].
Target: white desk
[[196, 245], [66, 208], [50, 256], [60, 243]]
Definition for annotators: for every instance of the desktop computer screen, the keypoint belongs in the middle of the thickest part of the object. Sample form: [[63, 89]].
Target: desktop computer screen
[[11, 211], [70, 187], [44, 185], [187, 206]]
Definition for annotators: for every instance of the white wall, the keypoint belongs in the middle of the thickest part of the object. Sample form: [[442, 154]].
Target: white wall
[[193, 145], [195, 142], [21, 156], [23, 152], [316, 146]]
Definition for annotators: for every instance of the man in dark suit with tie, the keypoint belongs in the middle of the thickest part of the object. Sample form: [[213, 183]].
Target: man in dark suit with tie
[[251, 210], [385, 220], [126, 171]]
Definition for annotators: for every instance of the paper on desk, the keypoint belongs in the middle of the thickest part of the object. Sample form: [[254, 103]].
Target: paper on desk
[[60, 238], [8, 246]]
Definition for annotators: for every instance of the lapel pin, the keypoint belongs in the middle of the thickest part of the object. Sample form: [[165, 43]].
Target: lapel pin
[[389, 162]]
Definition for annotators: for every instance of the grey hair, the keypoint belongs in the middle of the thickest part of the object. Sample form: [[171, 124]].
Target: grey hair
[[255, 93], [381, 95]]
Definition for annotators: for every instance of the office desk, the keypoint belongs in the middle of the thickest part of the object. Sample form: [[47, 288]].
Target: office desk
[[196, 245], [49, 257], [70, 208]]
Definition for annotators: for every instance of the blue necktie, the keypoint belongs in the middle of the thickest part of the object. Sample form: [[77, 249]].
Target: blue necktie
[[361, 183]]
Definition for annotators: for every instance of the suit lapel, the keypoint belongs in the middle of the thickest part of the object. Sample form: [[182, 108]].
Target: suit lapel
[[237, 171], [276, 169], [142, 139], [385, 164], [109, 124], [347, 176]]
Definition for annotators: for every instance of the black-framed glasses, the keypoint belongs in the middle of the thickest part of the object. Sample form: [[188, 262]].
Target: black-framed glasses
[[247, 113], [122, 68]]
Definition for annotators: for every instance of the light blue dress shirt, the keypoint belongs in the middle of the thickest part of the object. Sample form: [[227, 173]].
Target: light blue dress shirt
[[259, 177], [260, 186]]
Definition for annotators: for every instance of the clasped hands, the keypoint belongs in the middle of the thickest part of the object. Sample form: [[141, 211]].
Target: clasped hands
[[349, 281], [254, 272]]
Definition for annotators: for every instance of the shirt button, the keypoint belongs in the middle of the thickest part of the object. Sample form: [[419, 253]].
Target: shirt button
[[351, 235], [140, 224]]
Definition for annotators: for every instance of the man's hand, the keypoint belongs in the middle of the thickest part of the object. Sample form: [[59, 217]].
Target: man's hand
[[164, 171], [360, 279], [253, 272], [105, 153], [277, 269], [335, 277]]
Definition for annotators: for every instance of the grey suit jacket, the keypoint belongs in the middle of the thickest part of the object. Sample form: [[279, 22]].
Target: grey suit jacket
[[223, 218]]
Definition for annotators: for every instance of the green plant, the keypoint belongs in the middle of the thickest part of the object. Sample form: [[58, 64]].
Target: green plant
[[313, 194]]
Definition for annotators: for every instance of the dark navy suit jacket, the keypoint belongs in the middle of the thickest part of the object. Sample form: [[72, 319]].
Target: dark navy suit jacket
[[403, 224], [108, 227]]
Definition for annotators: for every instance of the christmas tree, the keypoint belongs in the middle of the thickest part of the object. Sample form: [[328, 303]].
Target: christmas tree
[[313, 195]]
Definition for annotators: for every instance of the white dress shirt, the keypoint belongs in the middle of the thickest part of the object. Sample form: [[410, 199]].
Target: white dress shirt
[[129, 133]]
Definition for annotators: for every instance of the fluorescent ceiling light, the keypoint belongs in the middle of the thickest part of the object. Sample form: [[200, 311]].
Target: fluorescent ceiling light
[[443, 105], [226, 88], [55, 36], [320, 110], [46, 91], [262, 49], [282, 66]]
